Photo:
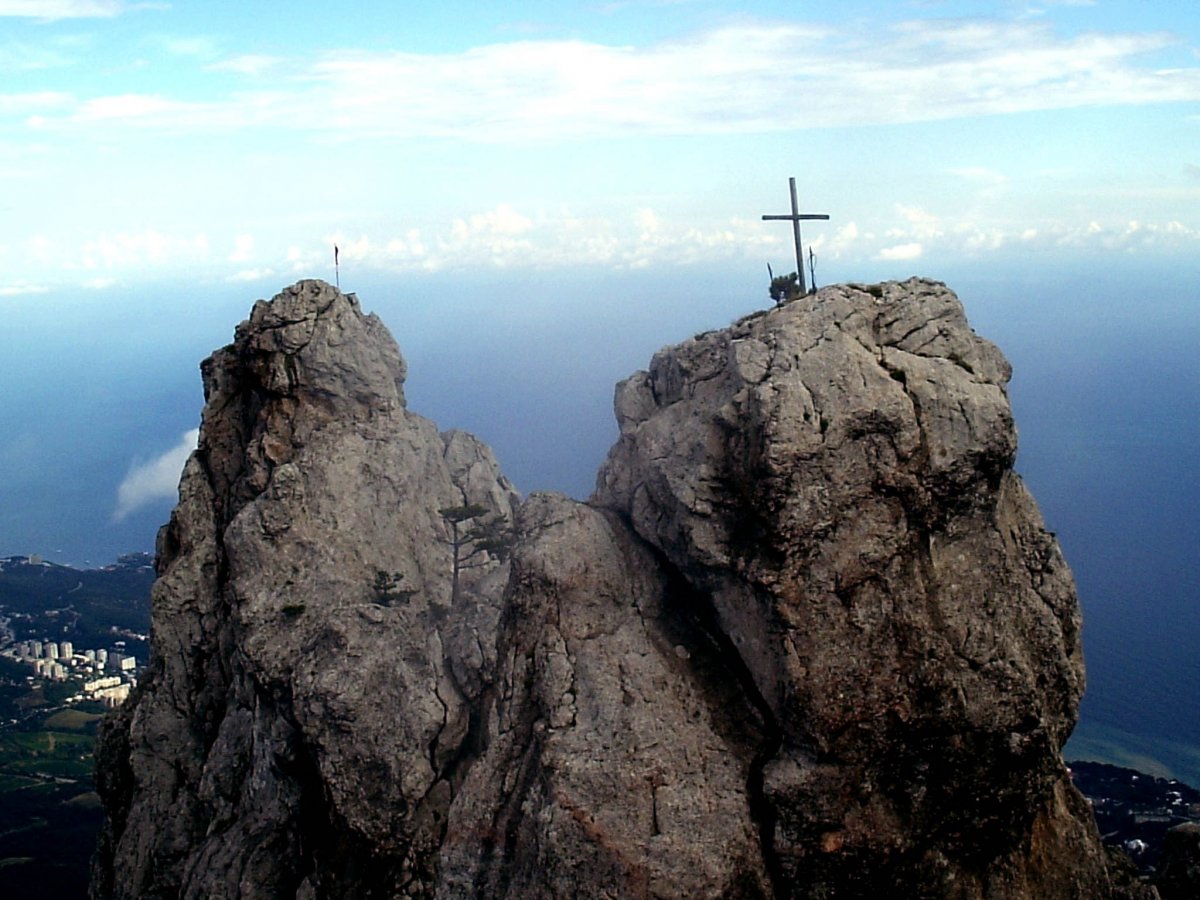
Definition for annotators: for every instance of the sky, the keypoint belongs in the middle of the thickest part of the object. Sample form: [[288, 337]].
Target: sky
[[534, 198], [235, 142]]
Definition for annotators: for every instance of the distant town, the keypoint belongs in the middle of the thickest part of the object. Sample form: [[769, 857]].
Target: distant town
[[73, 643], [1134, 810], [58, 635], [105, 675]]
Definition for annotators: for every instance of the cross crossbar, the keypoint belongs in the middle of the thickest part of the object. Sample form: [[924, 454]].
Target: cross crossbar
[[795, 218]]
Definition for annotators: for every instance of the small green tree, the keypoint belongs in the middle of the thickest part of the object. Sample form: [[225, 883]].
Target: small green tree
[[475, 532], [388, 588], [785, 287]]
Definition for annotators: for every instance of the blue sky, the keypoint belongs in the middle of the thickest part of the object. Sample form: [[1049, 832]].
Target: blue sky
[[237, 142], [534, 199]]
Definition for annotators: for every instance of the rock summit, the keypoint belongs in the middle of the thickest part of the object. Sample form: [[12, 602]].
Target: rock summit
[[808, 639]]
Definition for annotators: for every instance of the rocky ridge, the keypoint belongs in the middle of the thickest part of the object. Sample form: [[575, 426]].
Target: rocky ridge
[[809, 638]]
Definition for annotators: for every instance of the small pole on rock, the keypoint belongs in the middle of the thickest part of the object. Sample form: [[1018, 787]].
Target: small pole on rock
[[812, 268], [337, 278]]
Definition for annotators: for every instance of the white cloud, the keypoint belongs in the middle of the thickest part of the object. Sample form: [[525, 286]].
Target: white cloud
[[1126, 237], [198, 47], [156, 480], [845, 240], [901, 251], [142, 249], [722, 81], [967, 238], [503, 220], [126, 107], [21, 288], [508, 237], [500, 235], [981, 240], [243, 248], [918, 223], [409, 246], [646, 220], [250, 275]]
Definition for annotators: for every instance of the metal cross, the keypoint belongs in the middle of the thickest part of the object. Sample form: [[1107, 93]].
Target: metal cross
[[795, 218]]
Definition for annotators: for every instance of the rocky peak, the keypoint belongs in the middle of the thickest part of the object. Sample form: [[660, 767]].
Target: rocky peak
[[834, 477], [315, 646], [809, 638]]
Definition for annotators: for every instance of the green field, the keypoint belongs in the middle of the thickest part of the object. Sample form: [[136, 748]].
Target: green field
[[73, 720], [49, 810], [61, 754], [14, 783]]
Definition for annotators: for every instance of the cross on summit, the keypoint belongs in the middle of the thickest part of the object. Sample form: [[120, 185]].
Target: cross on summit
[[795, 218]]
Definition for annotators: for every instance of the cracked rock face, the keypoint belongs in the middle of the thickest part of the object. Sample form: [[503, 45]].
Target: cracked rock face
[[619, 754], [835, 477], [808, 639], [298, 732]]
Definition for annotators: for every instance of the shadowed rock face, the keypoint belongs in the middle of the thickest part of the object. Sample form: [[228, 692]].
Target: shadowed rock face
[[1179, 871], [834, 477], [298, 732], [808, 639]]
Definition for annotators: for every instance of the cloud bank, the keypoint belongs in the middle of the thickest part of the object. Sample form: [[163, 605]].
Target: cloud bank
[[721, 81], [156, 480], [505, 237], [752, 78]]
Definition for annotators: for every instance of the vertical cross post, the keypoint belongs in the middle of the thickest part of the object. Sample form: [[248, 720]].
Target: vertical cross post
[[795, 218]]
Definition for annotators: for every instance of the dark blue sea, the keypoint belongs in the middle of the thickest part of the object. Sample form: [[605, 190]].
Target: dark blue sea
[[1106, 394]]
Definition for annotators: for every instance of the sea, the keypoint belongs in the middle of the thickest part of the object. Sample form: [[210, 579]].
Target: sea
[[1105, 391]]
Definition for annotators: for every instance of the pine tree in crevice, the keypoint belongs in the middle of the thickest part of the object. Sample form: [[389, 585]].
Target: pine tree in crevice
[[476, 535]]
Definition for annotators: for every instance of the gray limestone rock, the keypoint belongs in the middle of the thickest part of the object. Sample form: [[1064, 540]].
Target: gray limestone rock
[[300, 725], [809, 638], [619, 747], [834, 477]]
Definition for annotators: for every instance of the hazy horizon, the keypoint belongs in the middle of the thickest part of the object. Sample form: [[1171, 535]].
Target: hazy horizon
[[536, 201], [1107, 409]]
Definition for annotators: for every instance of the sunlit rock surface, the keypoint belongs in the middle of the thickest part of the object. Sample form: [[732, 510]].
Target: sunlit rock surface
[[808, 639]]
